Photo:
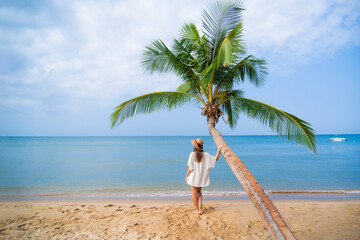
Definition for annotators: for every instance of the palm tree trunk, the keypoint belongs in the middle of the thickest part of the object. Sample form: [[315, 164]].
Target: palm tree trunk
[[267, 210]]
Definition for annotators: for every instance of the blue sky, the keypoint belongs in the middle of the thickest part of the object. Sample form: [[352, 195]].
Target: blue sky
[[65, 65]]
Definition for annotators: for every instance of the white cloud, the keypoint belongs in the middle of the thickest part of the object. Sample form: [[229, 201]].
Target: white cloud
[[296, 31], [91, 50], [86, 53]]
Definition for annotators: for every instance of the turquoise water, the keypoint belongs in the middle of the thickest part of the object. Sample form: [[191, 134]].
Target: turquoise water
[[135, 167]]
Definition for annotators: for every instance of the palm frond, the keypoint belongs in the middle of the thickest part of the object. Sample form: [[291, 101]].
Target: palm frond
[[236, 38], [232, 111], [208, 74], [219, 20], [249, 69], [158, 57], [281, 122], [229, 50], [183, 50], [190, 32], [195, 44], [204, 52], [230, 47], [223, 96], [232, 115], [187, 87], [148, 103], [195, 90], [224, 55]]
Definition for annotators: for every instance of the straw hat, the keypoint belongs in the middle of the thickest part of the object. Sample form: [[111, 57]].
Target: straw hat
[[198, 143]]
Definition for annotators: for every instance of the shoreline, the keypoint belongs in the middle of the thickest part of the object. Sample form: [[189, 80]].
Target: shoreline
[[183, 195], [164, 201], [159, 219]]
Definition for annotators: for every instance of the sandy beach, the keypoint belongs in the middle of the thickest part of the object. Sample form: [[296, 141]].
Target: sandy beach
[[150, 219]]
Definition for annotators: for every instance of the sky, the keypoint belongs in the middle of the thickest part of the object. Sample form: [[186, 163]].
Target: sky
[[64, 65]]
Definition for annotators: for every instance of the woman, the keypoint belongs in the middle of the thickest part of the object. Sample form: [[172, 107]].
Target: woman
[[197, 175]]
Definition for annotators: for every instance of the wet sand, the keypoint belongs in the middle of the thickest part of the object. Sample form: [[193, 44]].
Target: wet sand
[[152, 219]]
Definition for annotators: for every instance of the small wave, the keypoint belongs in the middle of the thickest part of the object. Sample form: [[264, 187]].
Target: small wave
[[313, 191], [237, 193], [173, 193], [36, 195], [184, 193]]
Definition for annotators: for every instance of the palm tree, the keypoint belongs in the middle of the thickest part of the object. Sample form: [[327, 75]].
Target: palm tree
[[212, 66]]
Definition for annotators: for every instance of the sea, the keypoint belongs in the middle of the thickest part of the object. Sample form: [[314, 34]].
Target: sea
[[76, 168]]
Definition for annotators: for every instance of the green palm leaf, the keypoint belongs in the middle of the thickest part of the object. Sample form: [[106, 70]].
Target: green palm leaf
[[281, 122], [229, 50], [223, 96], [186, 87], [230, 47], [158, 57], [184, 50], [250, 68], [221, 18], [148, 103], [189, 32], [225, 101]]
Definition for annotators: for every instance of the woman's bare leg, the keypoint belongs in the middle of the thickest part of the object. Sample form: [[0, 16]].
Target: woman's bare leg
[[199, 198], [194, 198]]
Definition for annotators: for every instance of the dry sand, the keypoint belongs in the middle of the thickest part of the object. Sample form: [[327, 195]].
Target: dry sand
[[235, 219]]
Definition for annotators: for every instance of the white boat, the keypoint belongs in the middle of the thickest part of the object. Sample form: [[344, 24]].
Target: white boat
[[338, 139]]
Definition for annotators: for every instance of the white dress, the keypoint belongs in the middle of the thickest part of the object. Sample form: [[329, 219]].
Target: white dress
[[199, 176]]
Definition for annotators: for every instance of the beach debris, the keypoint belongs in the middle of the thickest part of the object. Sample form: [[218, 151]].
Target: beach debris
[[110, 205]]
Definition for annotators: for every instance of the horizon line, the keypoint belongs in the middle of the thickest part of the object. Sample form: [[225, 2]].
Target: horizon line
[[167, 135]]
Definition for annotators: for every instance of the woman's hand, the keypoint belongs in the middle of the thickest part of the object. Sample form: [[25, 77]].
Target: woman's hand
[[218, 152], [187, 174]]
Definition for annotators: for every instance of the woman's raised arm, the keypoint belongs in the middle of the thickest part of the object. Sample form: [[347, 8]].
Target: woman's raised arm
[[218, 152]]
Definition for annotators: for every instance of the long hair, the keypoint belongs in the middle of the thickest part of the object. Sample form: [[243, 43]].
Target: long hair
[[198, 154]]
